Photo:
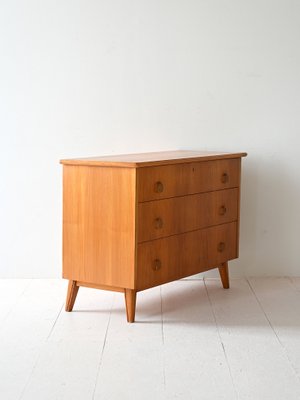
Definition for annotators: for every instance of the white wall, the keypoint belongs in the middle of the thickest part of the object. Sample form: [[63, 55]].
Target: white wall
[[83, 78]]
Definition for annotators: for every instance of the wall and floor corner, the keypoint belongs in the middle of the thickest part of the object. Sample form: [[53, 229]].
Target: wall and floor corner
[[88, 78]]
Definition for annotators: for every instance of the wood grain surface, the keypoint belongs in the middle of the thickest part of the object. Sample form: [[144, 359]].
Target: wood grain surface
[[152, 159], [182, 179], [178, 256], [99, 225], [167, 217]]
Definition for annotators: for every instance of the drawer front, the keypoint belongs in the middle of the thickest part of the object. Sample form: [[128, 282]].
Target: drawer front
[[176, 215], [175, 257], [188, 178]]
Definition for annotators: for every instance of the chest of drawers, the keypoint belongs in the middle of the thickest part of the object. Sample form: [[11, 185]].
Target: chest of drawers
[[132, 222]]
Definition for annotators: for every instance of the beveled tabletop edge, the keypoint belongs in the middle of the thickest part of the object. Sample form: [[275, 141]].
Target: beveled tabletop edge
[[137, 160]]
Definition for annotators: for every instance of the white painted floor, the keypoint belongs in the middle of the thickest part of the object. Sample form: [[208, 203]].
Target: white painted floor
[[191, 340]]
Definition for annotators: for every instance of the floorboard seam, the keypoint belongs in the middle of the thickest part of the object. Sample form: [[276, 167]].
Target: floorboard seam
[[38, 356], [221, 341], [103, 347], [274, 331], [163, 337], [53, 326], [16, 302]]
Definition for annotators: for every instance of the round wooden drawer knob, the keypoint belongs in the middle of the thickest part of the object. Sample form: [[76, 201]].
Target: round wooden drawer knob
[[222, 210], [158, 223], [221, 247], [156, 265], [158, 187], [224, 178]]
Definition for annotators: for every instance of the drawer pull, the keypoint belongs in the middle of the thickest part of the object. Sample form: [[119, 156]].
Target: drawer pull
[[156, 264], [222, 210], [221, 247], [225, 178], [158, 187], [158, 223]]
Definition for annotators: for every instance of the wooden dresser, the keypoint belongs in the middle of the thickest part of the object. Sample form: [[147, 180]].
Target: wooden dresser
[[131, 222]]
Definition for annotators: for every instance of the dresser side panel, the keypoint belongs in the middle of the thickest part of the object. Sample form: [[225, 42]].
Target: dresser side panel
[[99, 225]]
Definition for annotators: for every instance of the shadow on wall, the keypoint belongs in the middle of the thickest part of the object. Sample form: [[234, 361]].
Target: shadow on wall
[[269, 216], [248, 216], [270, 220]]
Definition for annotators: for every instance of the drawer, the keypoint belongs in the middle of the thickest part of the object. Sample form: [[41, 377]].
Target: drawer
[[176, 215], [174, 257], [187, 178]]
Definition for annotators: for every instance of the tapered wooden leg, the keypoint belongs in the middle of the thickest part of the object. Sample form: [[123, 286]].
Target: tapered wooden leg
[[223, 269], [130, 301], [71, 295]]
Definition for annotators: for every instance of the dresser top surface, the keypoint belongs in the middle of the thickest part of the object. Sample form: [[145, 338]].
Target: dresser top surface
[[149, 159]]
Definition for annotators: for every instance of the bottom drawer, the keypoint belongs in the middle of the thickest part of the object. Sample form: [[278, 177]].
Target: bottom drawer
[[164, 260]]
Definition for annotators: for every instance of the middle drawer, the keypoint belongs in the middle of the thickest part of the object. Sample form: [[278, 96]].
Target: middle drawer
[[160, 218]]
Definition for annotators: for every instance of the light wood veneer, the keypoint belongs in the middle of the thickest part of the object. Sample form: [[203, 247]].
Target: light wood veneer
[[131, 222]]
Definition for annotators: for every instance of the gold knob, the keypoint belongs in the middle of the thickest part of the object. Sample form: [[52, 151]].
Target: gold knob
[[158, 187], [156, 264], [225, 178], [221, 247], [222, 210], [158, 223]]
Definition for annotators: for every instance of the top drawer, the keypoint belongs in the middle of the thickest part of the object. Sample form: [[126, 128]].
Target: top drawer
[[187, 178]]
